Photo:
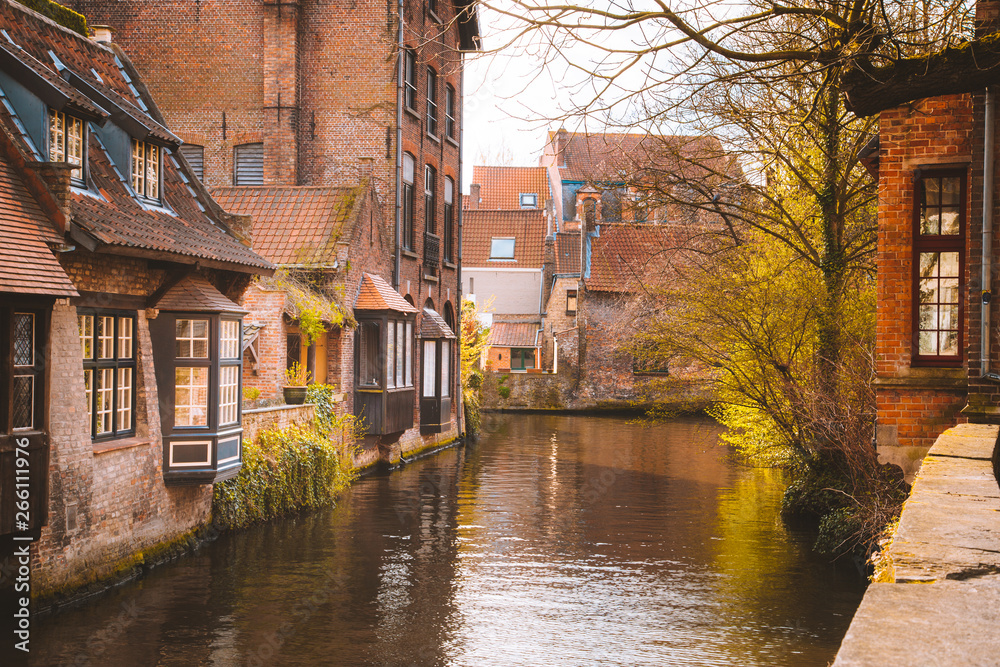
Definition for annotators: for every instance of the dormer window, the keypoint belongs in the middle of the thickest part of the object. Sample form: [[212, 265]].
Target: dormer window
[[146, 169], [66, 141], [529, 200], [501, 248]]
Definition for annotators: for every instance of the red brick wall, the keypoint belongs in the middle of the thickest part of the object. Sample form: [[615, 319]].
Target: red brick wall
[[915, 404]]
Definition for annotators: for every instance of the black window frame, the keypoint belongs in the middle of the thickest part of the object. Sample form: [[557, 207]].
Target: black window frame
[[432, 103], [409, 201], [35, 370], [430, 199], [115, 363], [938, 243], [410, 79], [449, 111]]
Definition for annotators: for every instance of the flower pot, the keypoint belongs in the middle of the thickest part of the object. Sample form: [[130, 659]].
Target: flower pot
[[294, 395]]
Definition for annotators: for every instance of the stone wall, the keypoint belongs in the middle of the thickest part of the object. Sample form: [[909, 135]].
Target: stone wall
[[278, 417]]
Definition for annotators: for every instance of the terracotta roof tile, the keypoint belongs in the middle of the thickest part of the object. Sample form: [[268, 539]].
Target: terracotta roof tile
[[295, 224], [501, 187], [195, 293], [376, 294], [110, 215], [513, 334], [527, 228], [567, 252], [625, 254], [432, 325], [27, 266]]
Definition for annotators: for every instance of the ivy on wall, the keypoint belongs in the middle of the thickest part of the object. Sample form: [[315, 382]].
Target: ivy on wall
[[64, 16]]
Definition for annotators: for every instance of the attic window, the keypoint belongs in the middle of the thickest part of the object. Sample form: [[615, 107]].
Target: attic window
[[146, 169], [248, 164], [502, 248], [529, 200], [66, 141]]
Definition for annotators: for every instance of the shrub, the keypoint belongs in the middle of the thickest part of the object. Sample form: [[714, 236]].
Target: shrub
[[284, 471]]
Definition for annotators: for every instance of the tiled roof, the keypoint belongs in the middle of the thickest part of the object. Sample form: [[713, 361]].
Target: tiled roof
[[27, 266], [501, 187], [295, 224], [625, 254], [109, 216], [568, 252], [432, 325], [377, 294], [513, 334], [527, 228], [194, 293], [604, 157]]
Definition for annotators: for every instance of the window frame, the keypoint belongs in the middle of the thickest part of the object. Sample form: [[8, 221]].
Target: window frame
[[449, 111], [62, 153], [533, 196], [409, 197], [236, 160], [430, 199], [410, 79], [521, 353], [116, 363], [142, 189], [574, 296], [448, 222], [503, 258], [928, 243], [432, 103]]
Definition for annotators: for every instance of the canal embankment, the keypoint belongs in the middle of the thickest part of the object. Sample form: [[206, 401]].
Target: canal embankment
[[936, 600]]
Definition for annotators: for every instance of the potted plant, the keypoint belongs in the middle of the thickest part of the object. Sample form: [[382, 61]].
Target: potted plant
[[296, 379]]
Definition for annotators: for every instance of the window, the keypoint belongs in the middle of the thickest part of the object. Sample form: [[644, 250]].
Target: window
[[248, 164], [570, 301], [398, 356], [195, 156], [408, 200], [432, 7], [430, 369], [449, 218], [522, 358], [230, 351], [938, 266], [430, 202], [107, 345], [369, 373], [190, 381], [432, 105], [26, 395], [449, 111], [66, 141], [529, 200], [502, 248], [410, 79], [146, 169]]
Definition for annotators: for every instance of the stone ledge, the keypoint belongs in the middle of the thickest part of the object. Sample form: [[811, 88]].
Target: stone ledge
[[119, 444]]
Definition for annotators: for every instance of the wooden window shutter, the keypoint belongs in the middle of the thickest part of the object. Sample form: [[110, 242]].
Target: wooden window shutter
[[249, 165]]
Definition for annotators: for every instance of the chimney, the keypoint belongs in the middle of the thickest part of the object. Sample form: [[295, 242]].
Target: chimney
[[474, 196], [562, 140], [56, 177], [102, 34]]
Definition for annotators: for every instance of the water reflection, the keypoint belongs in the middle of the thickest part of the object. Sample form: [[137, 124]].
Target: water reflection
[[557, 540]]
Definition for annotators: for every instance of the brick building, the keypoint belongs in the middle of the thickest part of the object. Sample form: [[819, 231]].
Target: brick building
[[119, 277], [310, 93]]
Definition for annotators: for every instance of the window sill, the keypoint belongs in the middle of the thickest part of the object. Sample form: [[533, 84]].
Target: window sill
[[434, 17], [409, 253], [434, 138], [413, 113], [448, 265], [105, 446], [430, 279], [929, 377], [451, 141]]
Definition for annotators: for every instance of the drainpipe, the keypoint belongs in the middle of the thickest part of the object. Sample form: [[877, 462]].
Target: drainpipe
[[400, 65], [987, 268], [460, 413]]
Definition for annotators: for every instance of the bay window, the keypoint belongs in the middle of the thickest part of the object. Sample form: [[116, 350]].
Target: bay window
[[938, 266], [384, 371], [108, 348]]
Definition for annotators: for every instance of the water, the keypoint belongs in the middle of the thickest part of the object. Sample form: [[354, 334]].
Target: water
[[556, 540]]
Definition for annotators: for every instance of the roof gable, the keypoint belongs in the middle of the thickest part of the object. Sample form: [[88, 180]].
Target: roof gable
[[194, 293], [376, 294], [527, 228], [501, 187]]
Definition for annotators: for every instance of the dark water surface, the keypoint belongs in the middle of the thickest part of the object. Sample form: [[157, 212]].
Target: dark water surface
[[556, 540]]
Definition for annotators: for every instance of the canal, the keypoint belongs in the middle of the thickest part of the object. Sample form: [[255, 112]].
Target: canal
[[555, 540]]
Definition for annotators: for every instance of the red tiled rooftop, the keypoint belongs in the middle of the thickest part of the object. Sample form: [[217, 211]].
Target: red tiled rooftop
[[567, 252], [432, 325], [501, 187], [294, 225], [513, 334], [194, 293], [376, 294], [527, 228], [626, 254]]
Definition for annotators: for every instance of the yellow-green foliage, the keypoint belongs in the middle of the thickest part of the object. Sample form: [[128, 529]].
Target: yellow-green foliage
[[474, 340], [284, 471], [64, 16]]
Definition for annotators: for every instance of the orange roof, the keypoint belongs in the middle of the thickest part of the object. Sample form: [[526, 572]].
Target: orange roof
[[195, 293], [294, 225], [376, 294], [527, 228], [502, 187], [514, 334], [626, 253], [568, 252], [432, 325], [27, 266]]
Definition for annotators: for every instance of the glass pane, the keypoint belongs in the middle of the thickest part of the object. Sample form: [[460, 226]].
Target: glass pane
[[928, 317], [125, 337], [928, 342], [948, 292], [23, 401], [949, 265], [368, 365], [400, 354], [408, 164], [86, 336], [951, 191], [949, 221], [930, 222], [932, 192], [390, 354], [949, 317], [231, 339], [105, 396], [502, 249], [105, 338], [949, 343], [88, 391], [192, 339], [430, 367], [445, 368], [124, 399], [408, 344], [24, 339], [929, 264], [191, 397], [229, 381]]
